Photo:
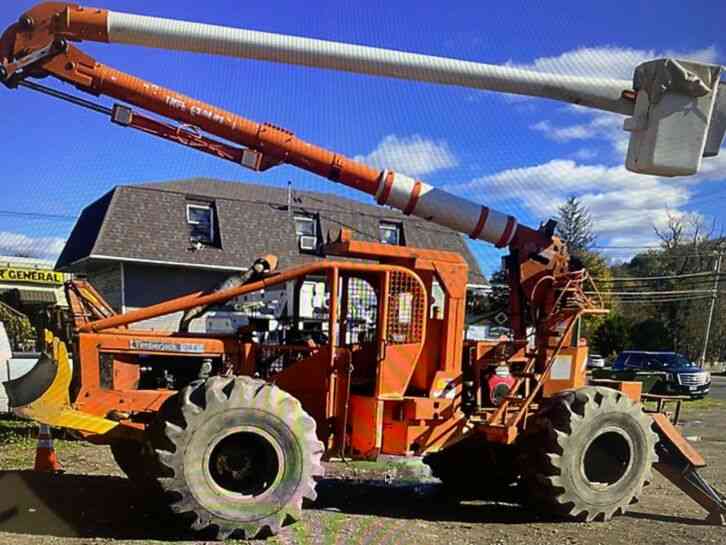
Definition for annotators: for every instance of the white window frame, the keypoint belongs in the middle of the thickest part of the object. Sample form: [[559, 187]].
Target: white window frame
[[309, 219], [210, 209], [390, 226]]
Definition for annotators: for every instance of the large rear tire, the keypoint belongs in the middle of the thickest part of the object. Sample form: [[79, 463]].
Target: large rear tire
[[591, 455], [238, 457]]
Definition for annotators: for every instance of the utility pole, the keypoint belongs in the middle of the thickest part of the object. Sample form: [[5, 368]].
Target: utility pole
[[716, 272]]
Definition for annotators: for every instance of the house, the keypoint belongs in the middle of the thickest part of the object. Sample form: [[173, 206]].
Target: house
[[144, 244]]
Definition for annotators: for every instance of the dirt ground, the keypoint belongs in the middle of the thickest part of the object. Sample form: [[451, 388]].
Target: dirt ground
[[362, 503]]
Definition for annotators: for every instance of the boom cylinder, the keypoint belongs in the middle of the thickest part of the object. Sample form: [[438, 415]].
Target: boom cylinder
[[412, 197]]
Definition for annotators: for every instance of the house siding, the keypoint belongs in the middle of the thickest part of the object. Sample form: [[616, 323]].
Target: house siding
[[107, 280], [147, 285]]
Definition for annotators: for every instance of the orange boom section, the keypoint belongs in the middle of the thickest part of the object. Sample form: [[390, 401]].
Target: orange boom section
[[47, 28]]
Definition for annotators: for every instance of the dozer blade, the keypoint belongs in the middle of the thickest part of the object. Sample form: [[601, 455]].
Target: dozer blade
[[33, 384], [679, 462], [42, 394]]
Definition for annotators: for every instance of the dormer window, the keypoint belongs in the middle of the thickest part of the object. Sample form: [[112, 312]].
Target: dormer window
[[306, 229], [200, 218], [390, 232]]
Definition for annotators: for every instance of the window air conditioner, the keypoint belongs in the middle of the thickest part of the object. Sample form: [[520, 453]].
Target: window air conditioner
[[308, 242]]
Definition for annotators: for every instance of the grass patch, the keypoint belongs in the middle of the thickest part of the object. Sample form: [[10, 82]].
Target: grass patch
[[18, 440], [707, 403], [16, 430]]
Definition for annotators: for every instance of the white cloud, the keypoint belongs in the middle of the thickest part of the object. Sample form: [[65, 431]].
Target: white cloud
[[585, 154], [617, 198], [12, 244], [712, 168], [625, 206], [609, 61], [413, 155], [601, 126], [565, 134]]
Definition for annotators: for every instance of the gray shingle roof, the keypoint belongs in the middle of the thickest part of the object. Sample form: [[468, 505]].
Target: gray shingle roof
[[147, 222]]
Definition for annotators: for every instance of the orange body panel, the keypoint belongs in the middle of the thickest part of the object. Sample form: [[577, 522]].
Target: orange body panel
[[366, 426], [568, 371], [396, 369], [402, 436], [311, 381], [632, 389], [121, 394]]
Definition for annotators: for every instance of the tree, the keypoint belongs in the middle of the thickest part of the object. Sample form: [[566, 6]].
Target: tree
[[574, 225], [689, 249], [18, 327], [613, 335], [651, 334]]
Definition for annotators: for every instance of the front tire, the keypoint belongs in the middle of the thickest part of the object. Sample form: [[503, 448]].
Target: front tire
[[238, 457], [593, 453]]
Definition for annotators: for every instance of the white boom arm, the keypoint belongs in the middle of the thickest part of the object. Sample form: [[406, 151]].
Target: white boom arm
[[600, 93], [679, 119]]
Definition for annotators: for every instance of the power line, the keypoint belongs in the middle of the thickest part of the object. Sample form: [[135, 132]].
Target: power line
[[598, 247], [37, 215], [669, 277], [658, 292], [660, 301], [660, 280]]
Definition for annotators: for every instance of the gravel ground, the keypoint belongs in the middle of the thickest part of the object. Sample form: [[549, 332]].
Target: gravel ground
[[362, 503]]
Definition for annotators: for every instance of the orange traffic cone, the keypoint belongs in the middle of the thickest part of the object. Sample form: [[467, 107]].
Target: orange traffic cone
[[45, 458]]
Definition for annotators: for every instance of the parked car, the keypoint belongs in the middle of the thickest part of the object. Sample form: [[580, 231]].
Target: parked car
[[676, 374], [596, 361]]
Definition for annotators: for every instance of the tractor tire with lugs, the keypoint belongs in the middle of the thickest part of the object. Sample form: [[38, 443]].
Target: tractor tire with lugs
[[590, 455], [237, 456]]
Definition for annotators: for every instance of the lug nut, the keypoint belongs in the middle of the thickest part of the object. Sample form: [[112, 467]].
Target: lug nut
[[26, 22], [61, 44]]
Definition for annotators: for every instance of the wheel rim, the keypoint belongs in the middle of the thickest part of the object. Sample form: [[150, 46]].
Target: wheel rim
[[245, 462], [607, 458]]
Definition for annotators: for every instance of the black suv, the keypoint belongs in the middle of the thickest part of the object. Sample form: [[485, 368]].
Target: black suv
[[676, 374]]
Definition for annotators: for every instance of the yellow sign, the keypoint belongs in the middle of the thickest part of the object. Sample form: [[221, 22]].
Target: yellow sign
[[33, 276]]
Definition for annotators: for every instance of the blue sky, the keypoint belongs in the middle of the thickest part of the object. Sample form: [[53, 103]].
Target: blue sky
[[522, 156]]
